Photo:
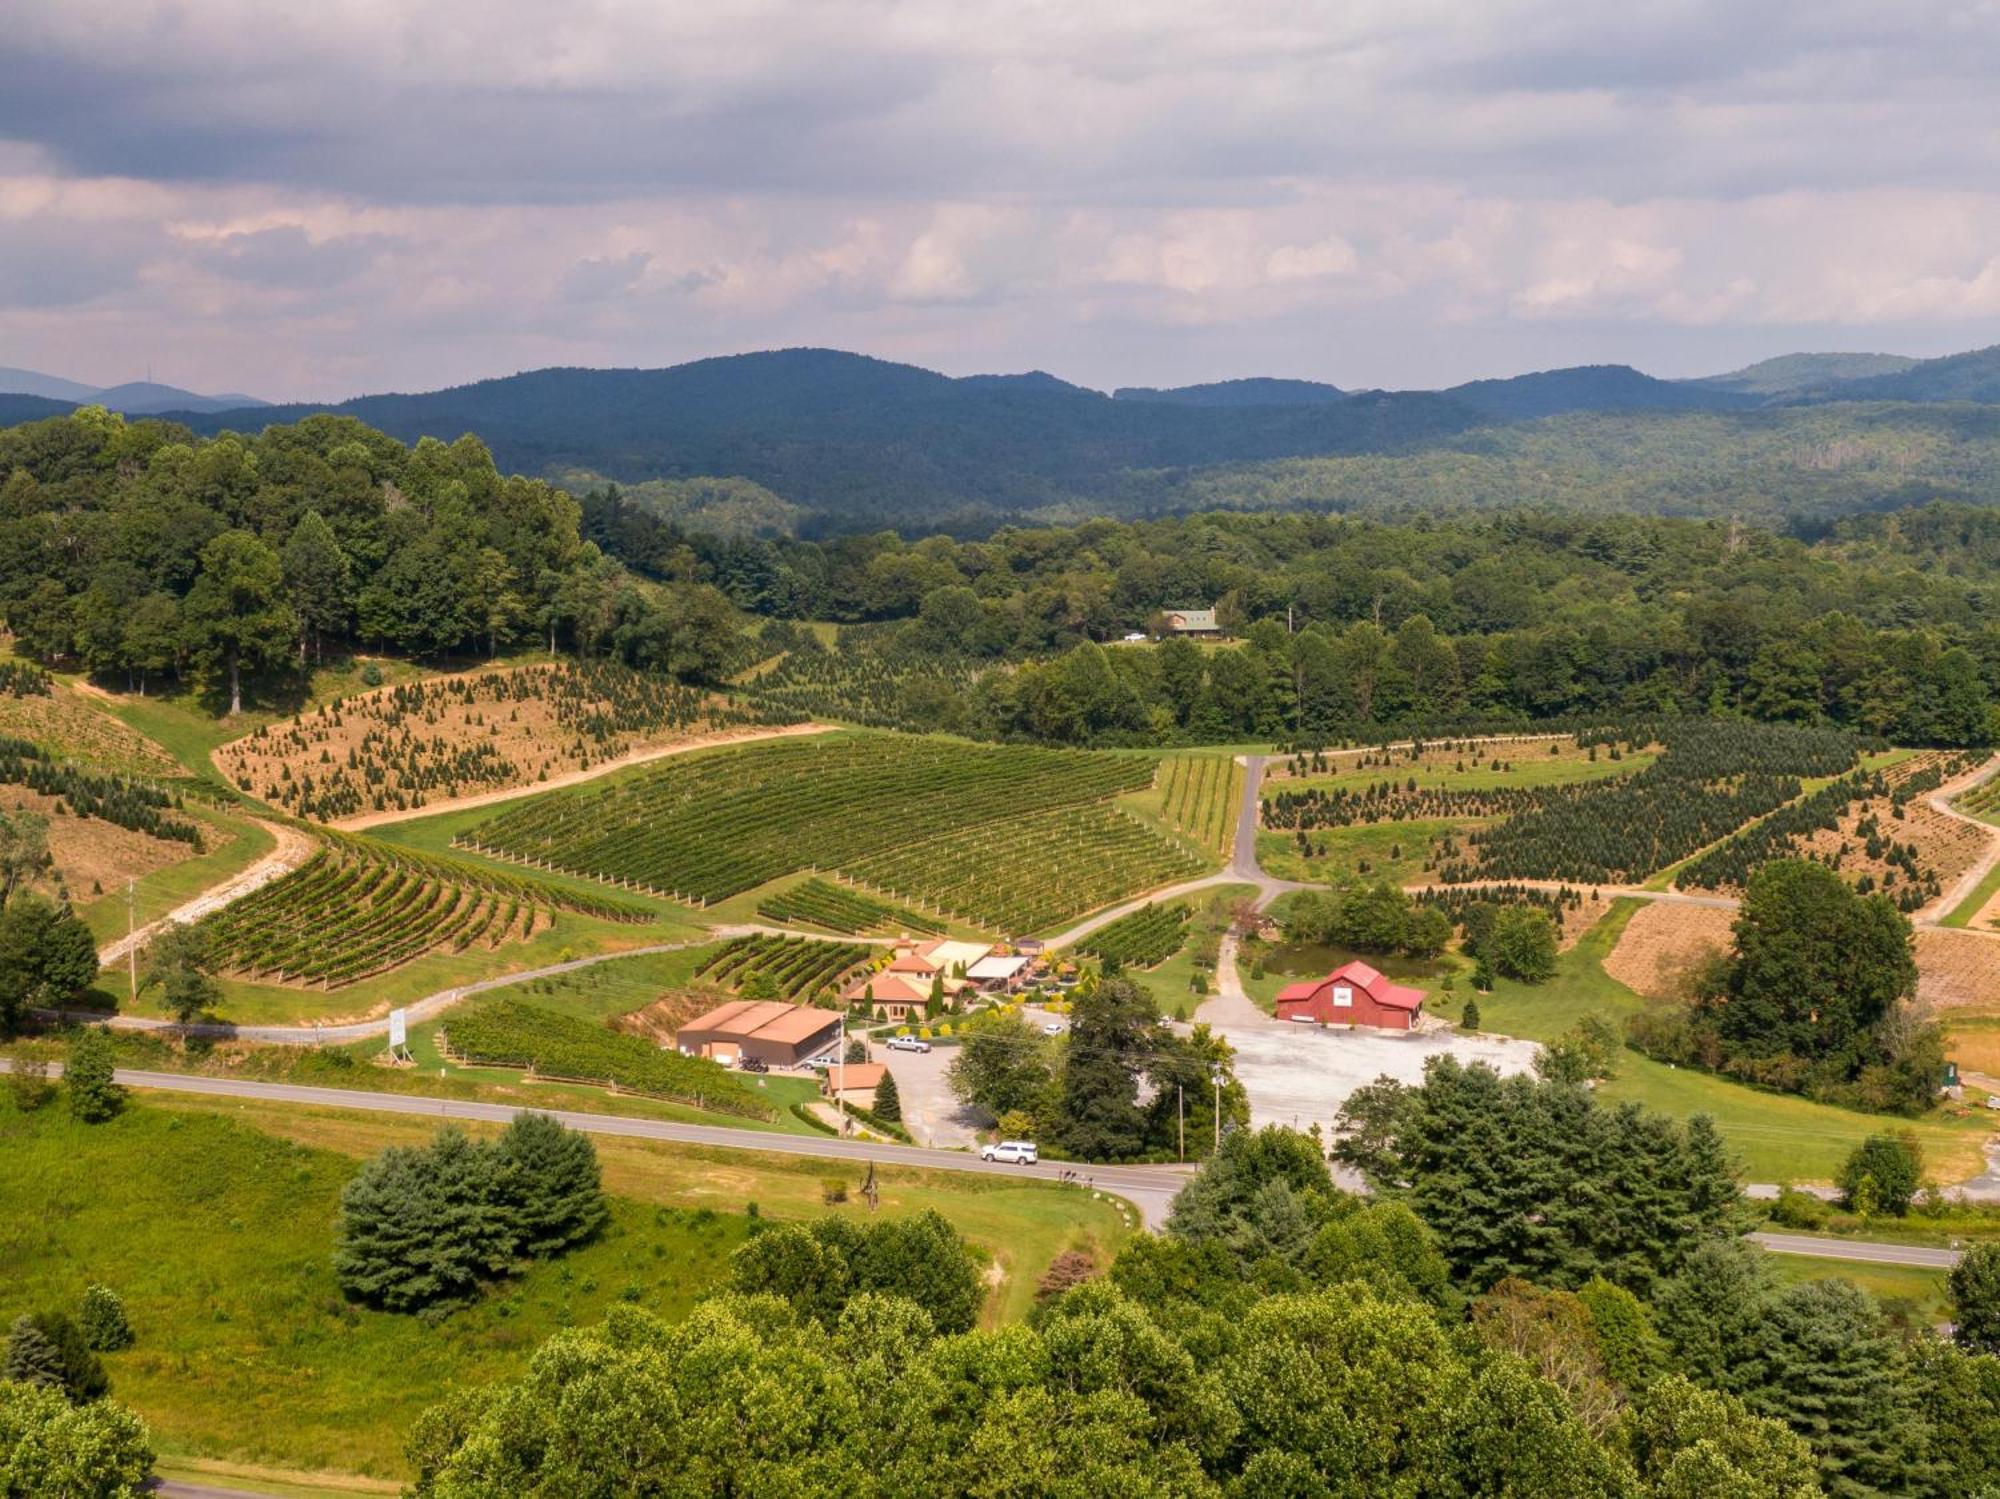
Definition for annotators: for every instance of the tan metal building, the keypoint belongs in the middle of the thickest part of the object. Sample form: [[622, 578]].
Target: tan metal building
[[771, 1031]]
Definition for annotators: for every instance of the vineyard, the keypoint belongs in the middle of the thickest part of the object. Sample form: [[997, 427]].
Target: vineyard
[[990, 833], [835, 908], [357, 909], [1147, 936], [789, 967], [1710, 779], [116, 799], [404, 747], [515, 1033], [1029, 873], [1199, 796], [1876, 826]]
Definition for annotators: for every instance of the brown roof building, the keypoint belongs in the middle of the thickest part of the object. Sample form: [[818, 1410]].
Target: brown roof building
[[775, 1033], [853, 1082]]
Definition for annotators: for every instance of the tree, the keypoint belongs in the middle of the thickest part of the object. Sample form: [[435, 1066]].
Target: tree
[[51, 1449], [319, 580], [1468, 1019], [821, 1267], [548, 1185], [1099, 1117], [24, 850], [47, 1349], [90, 1077], [420, 1227], [47, 957], [888, 1103], [236, 613], [102, 1318], [179, 960], [1692, 1443], [1522, 944], [1975, 1297], [1428, 933], [1885, 1168], [1001, 1065]]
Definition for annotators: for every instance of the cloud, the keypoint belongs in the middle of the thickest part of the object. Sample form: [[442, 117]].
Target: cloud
[[364, 193]]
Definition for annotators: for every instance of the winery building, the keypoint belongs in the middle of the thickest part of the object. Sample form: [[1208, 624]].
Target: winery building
[[768, 1030]]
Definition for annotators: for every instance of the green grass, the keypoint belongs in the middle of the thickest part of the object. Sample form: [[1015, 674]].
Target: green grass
[[1961, 915], [1779, 1137], [1533, 766], [1170, 983], [214, 1221], [1922, 1291], [1393, 851]]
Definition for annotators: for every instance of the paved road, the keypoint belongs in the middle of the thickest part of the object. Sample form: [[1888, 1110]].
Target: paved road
[[1861, 1252], [1148, 1188]]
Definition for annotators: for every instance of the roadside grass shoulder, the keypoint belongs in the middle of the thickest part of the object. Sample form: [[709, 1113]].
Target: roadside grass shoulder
[[1918, 1295]]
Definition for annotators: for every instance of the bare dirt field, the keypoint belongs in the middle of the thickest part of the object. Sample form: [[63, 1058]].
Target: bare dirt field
[[92, 856], [66, 722], [1958, 970], [1661, 941], [402, 748]]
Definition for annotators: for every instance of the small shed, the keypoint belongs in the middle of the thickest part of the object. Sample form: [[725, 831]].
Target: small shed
[[853, 1083], [1353, 994]]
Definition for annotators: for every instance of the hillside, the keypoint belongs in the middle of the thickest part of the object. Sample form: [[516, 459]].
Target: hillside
[[1972, 376], [134, 397], [1587, 387], [1258, 391], [1795, 374]]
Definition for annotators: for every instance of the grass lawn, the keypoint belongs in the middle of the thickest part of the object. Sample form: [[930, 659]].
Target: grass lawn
[[1973, 904], [1532, 766], [214, 1221], [1778, 1136], [1921, 1293], [1393, 851]]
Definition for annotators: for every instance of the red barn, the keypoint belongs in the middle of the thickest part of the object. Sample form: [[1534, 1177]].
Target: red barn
[[1353, 994]]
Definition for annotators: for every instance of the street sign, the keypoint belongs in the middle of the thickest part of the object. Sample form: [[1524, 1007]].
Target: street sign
[[399, 1030]]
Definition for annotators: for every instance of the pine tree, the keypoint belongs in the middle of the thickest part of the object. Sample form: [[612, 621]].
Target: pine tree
[[1975, 1299], [888, 1105], [420, 1227], [31, 1357], [48, 1349], [102, 1318], [94, 1094], [549, 1185], [320, 581]]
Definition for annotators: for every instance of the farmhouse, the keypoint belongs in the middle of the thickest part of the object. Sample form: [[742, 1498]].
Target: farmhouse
[[1353, 994], [853, 1082], [1200, 623], [768, 1031]]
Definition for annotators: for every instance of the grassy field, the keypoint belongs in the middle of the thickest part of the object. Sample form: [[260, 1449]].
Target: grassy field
[[246, 1351], [1393, 851], [1779, 1137], [1172, 983], [1908, 1292], [1527, 765]]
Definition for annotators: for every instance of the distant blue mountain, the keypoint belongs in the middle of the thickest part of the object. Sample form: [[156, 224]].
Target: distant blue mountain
[[1256, 391], [135, 398]]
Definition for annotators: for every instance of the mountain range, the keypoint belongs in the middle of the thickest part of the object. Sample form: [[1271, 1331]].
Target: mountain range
[[851, 440], [134, 397]]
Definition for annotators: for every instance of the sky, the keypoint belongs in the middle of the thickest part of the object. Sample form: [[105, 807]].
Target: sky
[[311, 202]]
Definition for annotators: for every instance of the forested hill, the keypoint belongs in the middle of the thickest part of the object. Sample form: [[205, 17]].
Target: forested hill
[[841, 442]]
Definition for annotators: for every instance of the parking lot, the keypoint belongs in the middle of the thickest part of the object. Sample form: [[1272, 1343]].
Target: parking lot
[[930, 1113]]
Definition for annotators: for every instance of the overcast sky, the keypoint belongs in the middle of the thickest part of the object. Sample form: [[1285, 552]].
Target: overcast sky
[[358, 195]]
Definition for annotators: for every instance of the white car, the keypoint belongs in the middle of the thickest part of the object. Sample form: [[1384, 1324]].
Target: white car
[[907, 1043], [1012, 1153], [1052, 1028]]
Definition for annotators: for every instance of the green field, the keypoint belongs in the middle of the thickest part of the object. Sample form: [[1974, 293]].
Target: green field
[[214, 1220], [1916, 1294], [1779, 1137], [1393, 851], [1528, 765]]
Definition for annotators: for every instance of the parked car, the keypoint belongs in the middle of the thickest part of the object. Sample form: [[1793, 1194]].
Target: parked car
[[907, 1043], [752, 1064], [1052, 1028], [819, 1064], [1012, 1153]]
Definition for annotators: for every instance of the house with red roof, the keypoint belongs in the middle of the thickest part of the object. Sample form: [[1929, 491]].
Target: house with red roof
[[1353, 994]]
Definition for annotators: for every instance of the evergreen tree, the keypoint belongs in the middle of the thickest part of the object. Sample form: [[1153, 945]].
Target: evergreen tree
[[420, 1227], [46, 1348], [102, 1318], [1975, 1298], [1469, 1018], [888, 1103], [1110, 1034], [548, 1185], [1522, 944], [89, 1077]]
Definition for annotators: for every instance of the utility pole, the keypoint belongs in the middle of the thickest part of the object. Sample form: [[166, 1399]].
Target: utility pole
[[1216, 1075], [1180, 1104], [131, 944], [840, 1076]]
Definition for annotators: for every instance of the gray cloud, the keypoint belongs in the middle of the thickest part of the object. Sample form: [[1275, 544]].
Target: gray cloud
[[365, 193]]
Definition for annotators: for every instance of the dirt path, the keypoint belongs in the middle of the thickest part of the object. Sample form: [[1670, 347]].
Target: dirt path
[[294, 847], [1961, 888], [572, 777]]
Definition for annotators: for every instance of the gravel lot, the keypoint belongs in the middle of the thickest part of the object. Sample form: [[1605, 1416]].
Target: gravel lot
[[930, 1113]]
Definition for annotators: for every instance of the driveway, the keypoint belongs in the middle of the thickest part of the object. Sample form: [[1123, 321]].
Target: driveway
[[1299, 1075], [930, 1113]]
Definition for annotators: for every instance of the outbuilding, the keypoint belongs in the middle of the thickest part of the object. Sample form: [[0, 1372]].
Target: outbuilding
[[1353, 994], [770, 1031], [853, 1082]]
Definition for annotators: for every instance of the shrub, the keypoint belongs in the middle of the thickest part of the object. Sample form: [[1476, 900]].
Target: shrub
[[1796, 1209], [29, 1083], [1882, 1174], [102, 1318], [1469, 1017], [47, 1349], [48, 1446], [94, 1094], [833, 1189]]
